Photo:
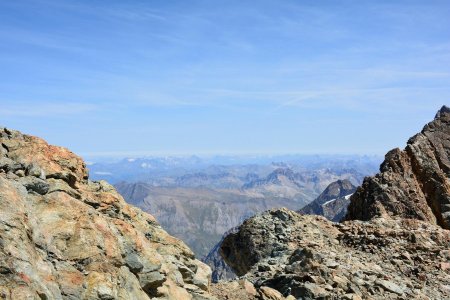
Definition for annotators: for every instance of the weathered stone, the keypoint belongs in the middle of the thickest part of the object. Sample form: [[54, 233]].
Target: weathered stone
[[55, 244], [267, 293], [391, 287], [20, 173], [35, 185], [249, 287], [62, 186], [35, 171], [444, 266], [9, 165], [105, 292], [202, 277], [151, 281], [133, 263]]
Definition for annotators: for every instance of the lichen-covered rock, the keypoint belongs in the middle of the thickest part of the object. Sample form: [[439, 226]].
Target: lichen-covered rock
[[413, 183], [65, 237]]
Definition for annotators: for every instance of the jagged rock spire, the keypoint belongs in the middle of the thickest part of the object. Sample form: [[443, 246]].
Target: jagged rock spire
[[412, 183]]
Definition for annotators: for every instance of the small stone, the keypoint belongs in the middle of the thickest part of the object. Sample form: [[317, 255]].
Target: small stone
[[249, 287], [105, 292], [35, 171], [352, 297], [282, 215], [264, 268], [150, 281], [133, 263], [202, 277], [36, 185], [267, 293], [9, 165], [340, 282], [444, 266], [405, 255], [310, 290], [186, 273], [20, 173], [390, 286]]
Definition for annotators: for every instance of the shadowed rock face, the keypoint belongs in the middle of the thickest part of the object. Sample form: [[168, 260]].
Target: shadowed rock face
[[65, 237], [413, 183], [220, 270]]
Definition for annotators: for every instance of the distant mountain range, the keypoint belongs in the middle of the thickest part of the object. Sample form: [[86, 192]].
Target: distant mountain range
[[163, 171], [198, 199], [199, 207]]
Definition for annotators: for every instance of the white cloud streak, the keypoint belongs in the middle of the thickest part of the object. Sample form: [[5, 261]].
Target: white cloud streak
[[31, 109]]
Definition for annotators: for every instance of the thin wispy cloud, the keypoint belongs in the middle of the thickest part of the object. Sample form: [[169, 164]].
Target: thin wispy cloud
[[205, 76], [39, 109]]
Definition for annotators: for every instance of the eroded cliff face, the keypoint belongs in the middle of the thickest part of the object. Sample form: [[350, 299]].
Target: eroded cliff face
[[413, 183], [65, 237]]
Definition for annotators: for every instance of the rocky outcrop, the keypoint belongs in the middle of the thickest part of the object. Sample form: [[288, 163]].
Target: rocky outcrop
[[394, 244], [309, 257], [333, 202], [413, 183], [65, 237]]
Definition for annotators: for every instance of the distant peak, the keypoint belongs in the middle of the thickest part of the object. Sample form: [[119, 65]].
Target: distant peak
[[283, 171], [343, 181], [444, 110]]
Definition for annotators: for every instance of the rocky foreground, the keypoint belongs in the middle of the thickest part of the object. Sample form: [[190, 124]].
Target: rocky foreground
[[65, 237], [394, 243], [332, 204], [309, 257]]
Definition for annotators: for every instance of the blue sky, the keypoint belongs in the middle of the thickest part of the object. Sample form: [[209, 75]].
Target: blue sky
[[196, 77]]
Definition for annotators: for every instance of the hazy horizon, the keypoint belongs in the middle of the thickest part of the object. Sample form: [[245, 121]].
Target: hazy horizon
[[207, 77], [240, 158]]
